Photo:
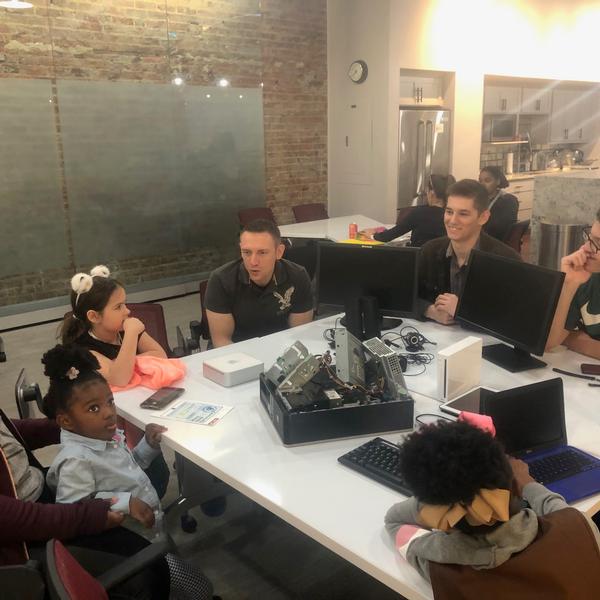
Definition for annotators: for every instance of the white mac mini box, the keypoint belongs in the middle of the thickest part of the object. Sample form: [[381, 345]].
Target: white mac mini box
[[232, 369], [459, 368]]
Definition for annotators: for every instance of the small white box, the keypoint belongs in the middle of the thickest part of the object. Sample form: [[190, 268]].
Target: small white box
[[232, 369], [459, 368]]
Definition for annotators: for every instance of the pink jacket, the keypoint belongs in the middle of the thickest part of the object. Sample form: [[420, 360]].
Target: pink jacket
[[153, 372]]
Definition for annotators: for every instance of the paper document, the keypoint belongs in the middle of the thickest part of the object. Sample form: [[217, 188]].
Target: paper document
[[196, 412]]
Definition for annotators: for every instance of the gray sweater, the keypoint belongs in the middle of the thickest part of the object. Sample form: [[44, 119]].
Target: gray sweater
[[419, 546]]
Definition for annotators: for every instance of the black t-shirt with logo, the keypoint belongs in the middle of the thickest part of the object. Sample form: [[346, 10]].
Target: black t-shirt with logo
[[259, 311]]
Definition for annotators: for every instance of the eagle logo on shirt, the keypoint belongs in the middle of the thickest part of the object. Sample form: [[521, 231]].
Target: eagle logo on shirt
[[588, 318], [285, 301]]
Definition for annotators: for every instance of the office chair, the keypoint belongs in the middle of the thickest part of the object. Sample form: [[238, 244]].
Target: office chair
[[26, 393], [562, 562], [309, 212], [68, 580], [203, 331], [514, 237], [246, 215]]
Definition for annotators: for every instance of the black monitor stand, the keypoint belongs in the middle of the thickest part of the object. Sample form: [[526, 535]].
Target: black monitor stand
[[510, 358], [386, 322]]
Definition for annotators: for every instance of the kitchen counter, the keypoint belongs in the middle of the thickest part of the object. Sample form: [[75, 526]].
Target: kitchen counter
[[565, 197], [530, 174]]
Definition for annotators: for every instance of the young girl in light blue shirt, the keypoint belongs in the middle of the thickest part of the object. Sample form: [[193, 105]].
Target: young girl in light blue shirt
[[95, 462]]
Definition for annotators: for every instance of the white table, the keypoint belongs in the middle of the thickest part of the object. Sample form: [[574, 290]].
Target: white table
[[334, 229], [305, 485]]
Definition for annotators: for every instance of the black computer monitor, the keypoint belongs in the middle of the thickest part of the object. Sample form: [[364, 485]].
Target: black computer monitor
[[513, 301], [388, 273]]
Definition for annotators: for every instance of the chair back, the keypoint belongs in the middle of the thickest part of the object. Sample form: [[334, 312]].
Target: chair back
[[153, 317], [67, 579], [246, 215], [514, 237], [26, 393], [204, 330], [562, 562], [309, 212]]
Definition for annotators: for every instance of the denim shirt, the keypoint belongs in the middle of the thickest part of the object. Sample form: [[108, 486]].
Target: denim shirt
[[90, 468]]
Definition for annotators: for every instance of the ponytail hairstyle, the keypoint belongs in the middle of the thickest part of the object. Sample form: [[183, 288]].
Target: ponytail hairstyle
[[439, 185], [88, 292], [67, 367]]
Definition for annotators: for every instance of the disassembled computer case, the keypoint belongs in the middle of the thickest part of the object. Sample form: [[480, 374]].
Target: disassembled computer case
[[290, 379]]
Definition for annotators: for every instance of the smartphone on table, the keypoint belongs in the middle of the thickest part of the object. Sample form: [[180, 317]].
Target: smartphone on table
[[162, 398]]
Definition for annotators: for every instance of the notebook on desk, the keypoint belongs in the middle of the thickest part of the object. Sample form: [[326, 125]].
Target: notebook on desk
[[530, 422]]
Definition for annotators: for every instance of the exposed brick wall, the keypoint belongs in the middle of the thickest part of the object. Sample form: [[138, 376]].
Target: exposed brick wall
[[280, 44]]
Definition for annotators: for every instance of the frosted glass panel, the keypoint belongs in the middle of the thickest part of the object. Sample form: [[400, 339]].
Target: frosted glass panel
[[156, 169], [32, 224]]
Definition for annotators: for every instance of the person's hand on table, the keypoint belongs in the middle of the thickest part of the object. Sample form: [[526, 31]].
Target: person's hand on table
[[439, 315], [521, 474], [153, 434], [447, 303], [366, 234]]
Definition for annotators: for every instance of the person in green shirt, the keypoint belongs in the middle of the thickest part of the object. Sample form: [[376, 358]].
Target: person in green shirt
[[576, 322]]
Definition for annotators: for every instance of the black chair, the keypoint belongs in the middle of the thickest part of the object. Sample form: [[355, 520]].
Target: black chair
[[515, 235], [25, 393], [65, 579], [68, 580]]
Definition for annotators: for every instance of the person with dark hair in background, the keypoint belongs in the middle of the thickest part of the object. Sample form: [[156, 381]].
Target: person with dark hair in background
[[443, 262], [467, 507], [503, 207], [259, 293], [424, 222]]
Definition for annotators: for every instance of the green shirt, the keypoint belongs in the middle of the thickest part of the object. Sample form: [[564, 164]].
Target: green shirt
[[584, 312]]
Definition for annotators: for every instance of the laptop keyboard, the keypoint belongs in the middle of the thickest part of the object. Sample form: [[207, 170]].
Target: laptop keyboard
[[560, 466], [378, 460]]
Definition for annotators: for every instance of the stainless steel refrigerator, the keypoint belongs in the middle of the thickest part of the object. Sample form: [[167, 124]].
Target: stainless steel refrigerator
[[423, 149]]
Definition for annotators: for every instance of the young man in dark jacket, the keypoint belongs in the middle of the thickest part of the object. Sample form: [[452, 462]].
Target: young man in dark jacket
[[443, 262]]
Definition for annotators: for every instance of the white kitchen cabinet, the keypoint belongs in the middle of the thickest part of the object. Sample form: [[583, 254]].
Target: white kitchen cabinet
[[573, 113], [523, 190], [424, 90], [535, 101], [501, 99]]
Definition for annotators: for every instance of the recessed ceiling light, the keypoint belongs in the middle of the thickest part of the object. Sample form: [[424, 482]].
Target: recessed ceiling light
[[223, 82], [15, 4]]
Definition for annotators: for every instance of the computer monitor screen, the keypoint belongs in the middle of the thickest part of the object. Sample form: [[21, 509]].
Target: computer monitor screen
[[388, 273], [512, 300], [530, 417]]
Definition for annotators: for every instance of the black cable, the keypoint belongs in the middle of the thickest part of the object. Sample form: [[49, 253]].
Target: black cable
[[438, 417]]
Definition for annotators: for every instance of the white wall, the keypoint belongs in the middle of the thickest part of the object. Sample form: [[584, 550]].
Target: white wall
[[552, 39]]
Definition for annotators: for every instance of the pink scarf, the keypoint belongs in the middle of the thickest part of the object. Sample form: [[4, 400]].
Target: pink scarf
[[153, 372]]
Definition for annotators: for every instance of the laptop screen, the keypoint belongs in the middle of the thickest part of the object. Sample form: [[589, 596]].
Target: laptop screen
[[530, 417]]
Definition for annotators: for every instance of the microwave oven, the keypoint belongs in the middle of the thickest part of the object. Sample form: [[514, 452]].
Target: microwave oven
[[500, 128]]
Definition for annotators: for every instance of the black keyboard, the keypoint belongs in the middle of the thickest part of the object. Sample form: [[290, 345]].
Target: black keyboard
[[378, 459], [561, 465]]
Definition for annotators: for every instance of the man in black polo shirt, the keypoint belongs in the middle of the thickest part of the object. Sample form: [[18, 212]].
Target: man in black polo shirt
[[443, 261], [260, 293]]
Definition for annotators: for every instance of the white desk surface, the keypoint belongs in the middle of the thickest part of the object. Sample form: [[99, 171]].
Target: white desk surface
[[334, 229], [305, 485]]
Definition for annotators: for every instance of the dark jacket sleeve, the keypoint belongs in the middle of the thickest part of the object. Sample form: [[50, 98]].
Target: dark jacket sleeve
[[503, 216], [404, 226], [38, 433], [33, 521]]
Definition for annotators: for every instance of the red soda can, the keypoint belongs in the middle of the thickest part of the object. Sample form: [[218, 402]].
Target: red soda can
[[352, 231]]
